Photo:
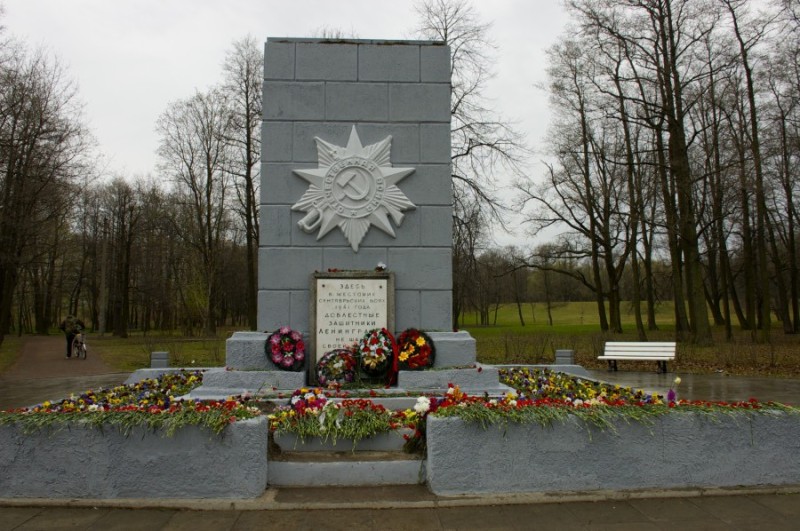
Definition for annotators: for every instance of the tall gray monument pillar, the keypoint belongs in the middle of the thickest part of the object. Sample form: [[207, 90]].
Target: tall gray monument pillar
[[356, 173]]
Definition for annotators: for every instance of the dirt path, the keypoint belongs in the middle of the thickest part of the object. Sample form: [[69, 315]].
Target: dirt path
[[41, 372], [43, 357]]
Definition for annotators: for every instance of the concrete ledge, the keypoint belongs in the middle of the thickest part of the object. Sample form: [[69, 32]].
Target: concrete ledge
[[144, 374], [453, 349], [78, 461], [346, 473], [245, 351], [680, 450], [253, 381], [483, 377]]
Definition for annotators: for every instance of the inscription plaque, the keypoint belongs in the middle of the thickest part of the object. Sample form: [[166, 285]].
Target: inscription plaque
[[345, 305]]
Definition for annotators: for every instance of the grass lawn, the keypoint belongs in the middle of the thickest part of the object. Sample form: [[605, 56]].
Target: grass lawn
[[536, 342], [575, 327], [9, 351], [127, 355]]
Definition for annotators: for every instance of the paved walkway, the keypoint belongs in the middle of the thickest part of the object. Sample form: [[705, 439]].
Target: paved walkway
[[757, 511], [43, 373]]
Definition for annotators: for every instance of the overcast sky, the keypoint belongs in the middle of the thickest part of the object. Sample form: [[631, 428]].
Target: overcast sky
[[131, 58]]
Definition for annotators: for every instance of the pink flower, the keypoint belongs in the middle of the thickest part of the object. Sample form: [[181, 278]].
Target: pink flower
[[284, 330]]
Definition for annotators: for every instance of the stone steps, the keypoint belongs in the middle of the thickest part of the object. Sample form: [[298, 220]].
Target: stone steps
[[346, 472], [378, 460]]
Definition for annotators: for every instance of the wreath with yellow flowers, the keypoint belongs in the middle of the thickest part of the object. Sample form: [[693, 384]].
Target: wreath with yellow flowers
[[415, 350]]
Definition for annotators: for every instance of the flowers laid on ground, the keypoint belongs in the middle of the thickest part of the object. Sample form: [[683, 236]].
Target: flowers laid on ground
[[150, 403], [415, 350], [336, 367], [352, 419], [375, 352], [539, 396], [305, 398], [672, 394], [286, 349], [544, 383]]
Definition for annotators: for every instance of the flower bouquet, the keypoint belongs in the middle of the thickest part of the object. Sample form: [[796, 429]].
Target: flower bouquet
[[375, 352], [306, 398], [415, 350], [286, 348], [336, 367]]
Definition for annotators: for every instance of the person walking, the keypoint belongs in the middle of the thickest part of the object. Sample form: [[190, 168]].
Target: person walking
[[71, 326]]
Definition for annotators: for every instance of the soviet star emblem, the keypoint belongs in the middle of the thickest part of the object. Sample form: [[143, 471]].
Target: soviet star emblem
[[353, 188]]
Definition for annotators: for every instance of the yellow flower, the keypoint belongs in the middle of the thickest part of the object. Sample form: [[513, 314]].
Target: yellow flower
[[420, 341]]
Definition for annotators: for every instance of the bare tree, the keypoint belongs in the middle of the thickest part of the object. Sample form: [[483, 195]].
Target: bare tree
[[195, 155], [244, 73], [43, 145], [481, 140]]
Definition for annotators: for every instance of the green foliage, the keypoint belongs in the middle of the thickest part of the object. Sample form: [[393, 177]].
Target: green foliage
[[602, 417], [214, 419], [129, 354], [351, 419], [149, 404]]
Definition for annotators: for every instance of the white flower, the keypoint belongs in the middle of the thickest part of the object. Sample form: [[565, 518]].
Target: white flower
[[423, 405], [381, 266], [577, 402], [451, 390], [512, 403], [493, 401], [677, 380]]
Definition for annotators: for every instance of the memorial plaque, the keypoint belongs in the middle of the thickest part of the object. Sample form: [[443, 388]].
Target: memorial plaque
[[346, 304]]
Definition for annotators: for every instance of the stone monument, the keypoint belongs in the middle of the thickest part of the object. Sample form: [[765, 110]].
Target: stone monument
[[355, 177]]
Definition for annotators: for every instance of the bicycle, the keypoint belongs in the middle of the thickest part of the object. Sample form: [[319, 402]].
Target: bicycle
[[79, 345]]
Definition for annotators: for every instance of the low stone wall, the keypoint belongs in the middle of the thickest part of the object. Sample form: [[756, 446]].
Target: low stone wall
[[679, 450], [78, 461]]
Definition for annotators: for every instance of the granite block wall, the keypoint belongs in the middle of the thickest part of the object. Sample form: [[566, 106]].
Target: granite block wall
[[317, 88]]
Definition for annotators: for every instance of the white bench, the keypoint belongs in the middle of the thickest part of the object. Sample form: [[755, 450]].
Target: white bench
[[660, 352]]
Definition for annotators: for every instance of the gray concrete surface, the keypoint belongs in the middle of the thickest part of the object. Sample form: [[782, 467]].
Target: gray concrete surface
[[715, 386], [415, 508]]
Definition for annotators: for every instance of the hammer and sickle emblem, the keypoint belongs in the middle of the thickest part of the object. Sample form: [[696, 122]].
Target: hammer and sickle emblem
[[352, 185]]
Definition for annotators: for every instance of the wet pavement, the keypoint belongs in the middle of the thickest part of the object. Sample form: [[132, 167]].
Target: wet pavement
[[717, 386], [753, 510], [16, 393]]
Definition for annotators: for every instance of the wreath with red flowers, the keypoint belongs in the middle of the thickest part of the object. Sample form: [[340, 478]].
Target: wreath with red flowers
[[286, 349], [336, 367], [415, 350], [375, 352]]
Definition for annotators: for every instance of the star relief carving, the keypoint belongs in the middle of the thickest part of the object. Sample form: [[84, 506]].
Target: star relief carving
[[353, 188]]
